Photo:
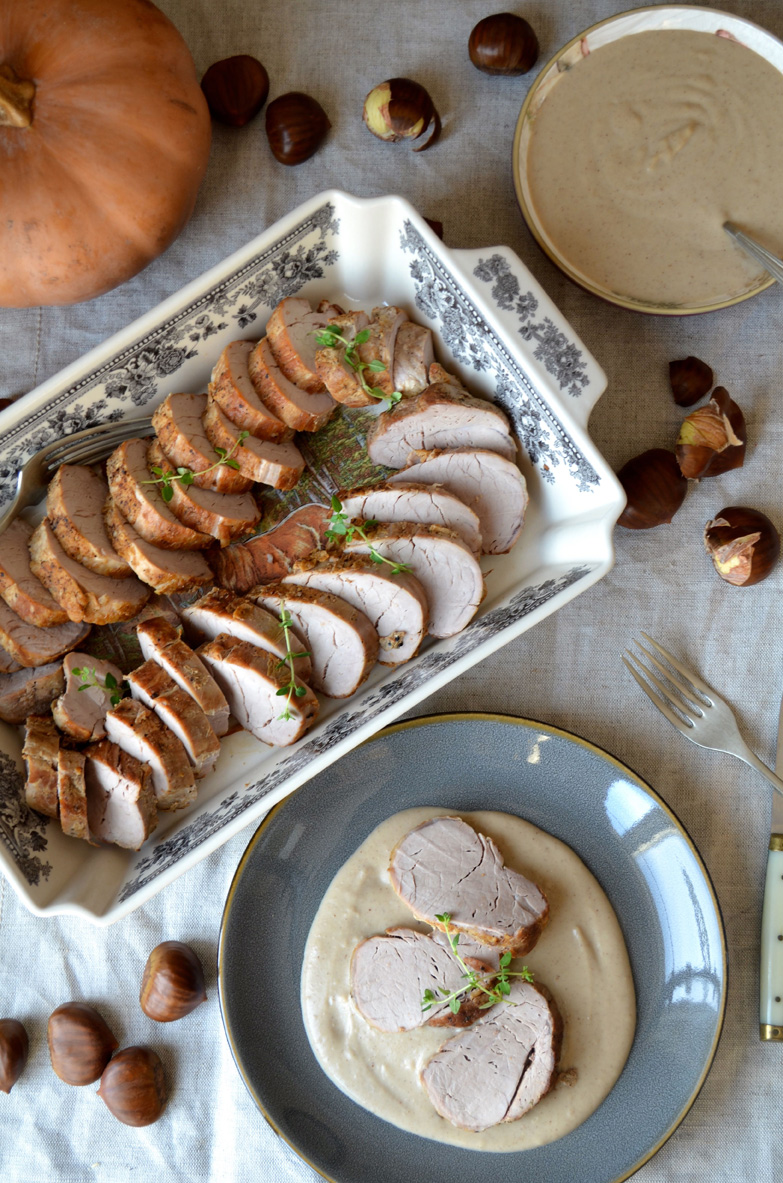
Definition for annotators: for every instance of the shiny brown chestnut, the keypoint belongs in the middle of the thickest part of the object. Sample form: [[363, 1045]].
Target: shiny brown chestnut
[[691, 379], [14, 1046], [296, 126], [133, 1087], [712, 439], [503, 44], [236, 89], [80, 1043], [743, 545], [655, 489], [401, 109], [173, 982]]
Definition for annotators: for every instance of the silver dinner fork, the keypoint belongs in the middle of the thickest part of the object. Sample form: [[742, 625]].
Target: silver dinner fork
[[83, 447], [693, 707]]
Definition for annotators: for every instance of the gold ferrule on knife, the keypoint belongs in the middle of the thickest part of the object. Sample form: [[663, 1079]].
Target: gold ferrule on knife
[[770, 1034], [776, 841]]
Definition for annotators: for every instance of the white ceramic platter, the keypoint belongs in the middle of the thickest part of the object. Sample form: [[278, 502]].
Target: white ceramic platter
[[496, 328]]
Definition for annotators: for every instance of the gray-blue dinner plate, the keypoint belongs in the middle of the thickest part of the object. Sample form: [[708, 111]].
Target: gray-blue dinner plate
[[628, 837]]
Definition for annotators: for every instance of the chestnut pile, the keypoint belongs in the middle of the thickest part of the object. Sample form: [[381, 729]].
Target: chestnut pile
[[82, 1046]]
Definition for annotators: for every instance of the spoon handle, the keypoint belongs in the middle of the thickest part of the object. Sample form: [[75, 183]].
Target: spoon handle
[[770, 262]]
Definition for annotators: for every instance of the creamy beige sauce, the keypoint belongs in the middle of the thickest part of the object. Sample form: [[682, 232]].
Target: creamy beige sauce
[[643, 149], [580, 957]]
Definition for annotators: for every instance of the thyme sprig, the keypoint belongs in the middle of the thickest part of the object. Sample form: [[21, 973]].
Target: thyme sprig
[[186, 476], [340, 526], [496, 986], [89, 677], [331, 336], [293, 688]]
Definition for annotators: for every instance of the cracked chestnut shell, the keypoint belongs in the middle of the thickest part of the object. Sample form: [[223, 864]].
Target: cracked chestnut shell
[[503, 44], [655, 489], [712, 439], [14, 1046], [743, 544], [80, 1043], [133, 1087], [173, 982], [236, 89], [401, 109]]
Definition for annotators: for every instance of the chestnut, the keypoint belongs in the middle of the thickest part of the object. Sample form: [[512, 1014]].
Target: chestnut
[[236, 89], [401, 109], [14, 1046], [690, 380], [743, 545], [296, 126], [712, 439], [503, 44], [655, 489], [133, 1087], [80, 1043], [173, 982]]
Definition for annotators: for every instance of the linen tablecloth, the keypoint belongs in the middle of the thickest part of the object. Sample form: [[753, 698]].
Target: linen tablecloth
[[565, 672]]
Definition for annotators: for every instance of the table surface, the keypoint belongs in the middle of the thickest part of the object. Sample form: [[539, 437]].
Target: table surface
[[566, 671]]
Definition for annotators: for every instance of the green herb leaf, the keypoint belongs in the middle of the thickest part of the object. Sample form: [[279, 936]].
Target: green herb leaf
[[167, 493]]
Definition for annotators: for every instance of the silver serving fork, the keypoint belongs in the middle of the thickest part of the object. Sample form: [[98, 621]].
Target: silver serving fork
[[83, 447], [693, 707]]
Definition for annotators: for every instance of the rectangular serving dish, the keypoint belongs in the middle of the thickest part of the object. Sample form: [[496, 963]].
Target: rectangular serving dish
[[495, 327]]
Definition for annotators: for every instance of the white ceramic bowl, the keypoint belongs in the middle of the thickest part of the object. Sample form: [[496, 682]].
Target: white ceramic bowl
[[497, 329]]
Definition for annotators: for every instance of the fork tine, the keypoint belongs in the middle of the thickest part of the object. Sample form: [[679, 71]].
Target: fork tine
[[688, 694], [98, 442], [689, 675], [662, 706]]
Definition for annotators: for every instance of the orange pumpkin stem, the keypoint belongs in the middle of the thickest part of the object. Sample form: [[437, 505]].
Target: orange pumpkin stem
[[16, 99]]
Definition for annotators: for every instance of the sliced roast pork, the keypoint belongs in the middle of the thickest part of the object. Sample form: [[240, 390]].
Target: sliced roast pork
[[41, 754], [140, 501], [413, 355], [74, 505], [224, 516], [72, 794], [269, 556], [121, 805], [297, 408], [157, 691], [443, 564], [292, 329], [234, 390], [139, 732], [340, 379], [485, 481], [221, 611], [29, 691], [444, 866], [430, 505], [178, 424], [502, 1066], [80, 712], [166, 571], [250, 679], [341, 640], [442, 416], [378, 349], [161, 642], [7, 663], [395, 604], [21, 590], [278, 465], [390, 974], [85, 596], [32, 646]]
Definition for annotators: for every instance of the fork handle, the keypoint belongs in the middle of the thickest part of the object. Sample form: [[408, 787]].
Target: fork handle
[[751, 758], [771, 977]]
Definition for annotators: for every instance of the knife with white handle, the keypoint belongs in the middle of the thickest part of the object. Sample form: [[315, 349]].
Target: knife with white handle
[[771, 1009]]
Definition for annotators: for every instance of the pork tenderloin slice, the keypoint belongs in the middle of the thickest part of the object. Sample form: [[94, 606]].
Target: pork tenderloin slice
[[331, 310], [442, 416], [140, 500], [221, 611], [250, 679], [267, 557], [430, 505], [342, 641], [85, 596], [234, 390], [166, 571], [485, 481], [437, 373], [443, 564], [161, 642], [391, 972], [180, 430], [224, 516], [7, 663], [292, 330], [32, 646], [72, 794], [140, 732], [337, 376], [74, 505], [297, 408], [502, 1066], [278, 465], [379, 347], [413, 355], [29, 691], [22, 591], [81, 710], [121, 805], [396, 605], [41, 753], [444, 867], [158, 691]]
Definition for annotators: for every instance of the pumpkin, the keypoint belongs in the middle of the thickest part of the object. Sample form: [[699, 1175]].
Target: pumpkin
[[104, 141]]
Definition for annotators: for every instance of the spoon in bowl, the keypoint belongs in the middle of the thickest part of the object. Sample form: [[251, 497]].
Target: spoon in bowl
[[770, 262]]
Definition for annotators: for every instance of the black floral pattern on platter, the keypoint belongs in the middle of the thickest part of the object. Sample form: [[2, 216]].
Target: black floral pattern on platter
[[22, 831]]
